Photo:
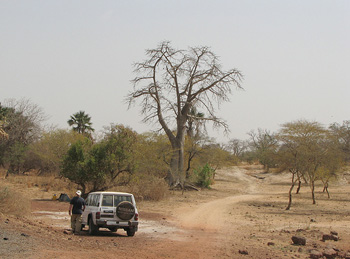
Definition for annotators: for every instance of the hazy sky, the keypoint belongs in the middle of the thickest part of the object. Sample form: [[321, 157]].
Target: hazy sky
[[67, 56]]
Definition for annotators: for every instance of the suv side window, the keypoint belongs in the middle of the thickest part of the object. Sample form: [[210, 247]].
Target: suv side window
[[93, 200], [88, 200], [96, 200], [107, 200]]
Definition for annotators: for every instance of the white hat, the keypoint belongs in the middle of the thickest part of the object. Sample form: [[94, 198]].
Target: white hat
[[78, 192]]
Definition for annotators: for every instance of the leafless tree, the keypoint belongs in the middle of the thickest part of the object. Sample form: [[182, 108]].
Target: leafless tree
[[170, 83], [237, 146], [23, 126]]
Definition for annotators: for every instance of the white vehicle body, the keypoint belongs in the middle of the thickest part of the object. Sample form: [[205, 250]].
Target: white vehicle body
[[112, 210]]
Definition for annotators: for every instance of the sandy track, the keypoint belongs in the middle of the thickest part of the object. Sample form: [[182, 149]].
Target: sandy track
[[242, 212]]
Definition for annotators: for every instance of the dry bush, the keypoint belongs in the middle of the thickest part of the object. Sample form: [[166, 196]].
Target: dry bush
[[13, 202], [149, 188], [44, 183]]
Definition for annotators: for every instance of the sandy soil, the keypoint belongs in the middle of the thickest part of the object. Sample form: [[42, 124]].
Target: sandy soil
[[242, 216]]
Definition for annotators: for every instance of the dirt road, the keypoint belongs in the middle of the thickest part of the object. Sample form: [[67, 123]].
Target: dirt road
[[242, 216]]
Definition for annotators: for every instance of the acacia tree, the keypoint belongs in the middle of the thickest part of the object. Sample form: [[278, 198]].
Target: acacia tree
[[170, 83], [342, 136], [309, 152]]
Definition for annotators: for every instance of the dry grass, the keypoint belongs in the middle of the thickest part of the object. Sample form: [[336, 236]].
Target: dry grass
[[44, 187], [45, 183], [149, 188], [13, 202], [38, 187]]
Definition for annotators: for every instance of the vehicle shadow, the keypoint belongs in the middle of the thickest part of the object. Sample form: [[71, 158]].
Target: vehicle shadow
[[105, 233]]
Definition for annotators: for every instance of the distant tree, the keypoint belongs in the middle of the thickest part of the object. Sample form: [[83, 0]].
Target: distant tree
[[47, 153], [153, 153], [173, 82], [3, 112], [120, 143], [23, 127], [74, 164], [99, 166], [216, 156], [237, 147], [265, 145], [308, 151], [342, 135], [81, 123]]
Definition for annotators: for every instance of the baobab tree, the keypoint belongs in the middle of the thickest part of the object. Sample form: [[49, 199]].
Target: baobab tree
[[170, 83]]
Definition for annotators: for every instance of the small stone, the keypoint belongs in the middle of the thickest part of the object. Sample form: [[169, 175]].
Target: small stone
[[299, 240], [315, 254], [329, 237], [270, 243], [5, 238], [330, 253], [243, 252], [334, 233]]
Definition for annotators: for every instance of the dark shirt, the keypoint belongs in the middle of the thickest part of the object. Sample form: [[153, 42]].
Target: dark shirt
[[78, 204]]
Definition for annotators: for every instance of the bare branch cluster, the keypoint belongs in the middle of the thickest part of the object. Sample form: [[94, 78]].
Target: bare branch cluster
[[171, 82]]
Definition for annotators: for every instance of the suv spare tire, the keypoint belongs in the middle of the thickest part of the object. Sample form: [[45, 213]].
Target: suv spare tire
[[125, 210]]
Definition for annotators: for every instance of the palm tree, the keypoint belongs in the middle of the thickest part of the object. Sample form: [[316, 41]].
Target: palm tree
[[194, 123], [81, 123]]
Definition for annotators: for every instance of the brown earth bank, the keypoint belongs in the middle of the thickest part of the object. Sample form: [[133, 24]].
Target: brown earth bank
[[242, 216]]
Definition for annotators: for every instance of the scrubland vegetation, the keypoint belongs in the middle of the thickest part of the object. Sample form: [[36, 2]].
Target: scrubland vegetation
[[122, 159]]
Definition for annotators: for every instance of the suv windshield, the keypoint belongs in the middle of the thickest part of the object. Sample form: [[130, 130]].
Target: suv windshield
[[109, 200]]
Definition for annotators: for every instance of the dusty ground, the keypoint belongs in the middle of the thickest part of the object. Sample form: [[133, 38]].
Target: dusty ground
[[242, 216]]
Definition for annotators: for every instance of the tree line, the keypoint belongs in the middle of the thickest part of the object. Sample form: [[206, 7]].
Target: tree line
[[309, 151], [116, 157]]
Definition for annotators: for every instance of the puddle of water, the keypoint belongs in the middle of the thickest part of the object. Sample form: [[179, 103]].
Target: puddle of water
[[156, 229], [56, 218]]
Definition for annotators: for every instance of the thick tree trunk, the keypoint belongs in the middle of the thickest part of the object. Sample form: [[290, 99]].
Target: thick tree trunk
[[176, 174]]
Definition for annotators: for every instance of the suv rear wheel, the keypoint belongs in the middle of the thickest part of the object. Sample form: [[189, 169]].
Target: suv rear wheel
[[130, 231], [93, 229]]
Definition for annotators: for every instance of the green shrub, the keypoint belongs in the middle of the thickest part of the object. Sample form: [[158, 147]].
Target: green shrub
[[205, 176]]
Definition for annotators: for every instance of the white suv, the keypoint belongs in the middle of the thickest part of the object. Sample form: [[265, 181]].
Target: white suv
[[111, 210]]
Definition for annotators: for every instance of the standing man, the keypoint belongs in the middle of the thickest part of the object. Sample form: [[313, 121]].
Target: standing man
[[78, 205]]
